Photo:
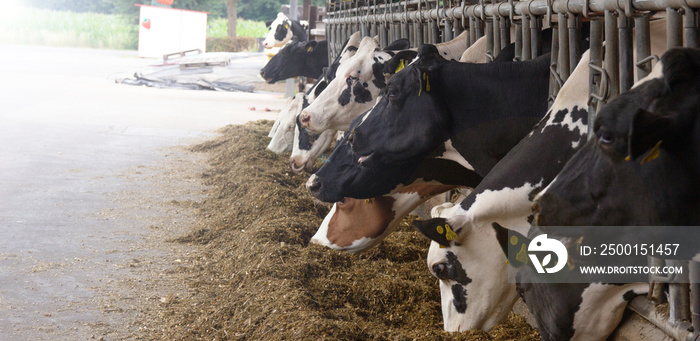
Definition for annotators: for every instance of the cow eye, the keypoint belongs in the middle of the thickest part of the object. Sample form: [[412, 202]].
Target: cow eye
[[605, 137], [391, 93]]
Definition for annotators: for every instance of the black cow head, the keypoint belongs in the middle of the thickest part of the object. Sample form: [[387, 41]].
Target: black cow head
[[342, 176], [408, 121], [642, 166], [289, 61]]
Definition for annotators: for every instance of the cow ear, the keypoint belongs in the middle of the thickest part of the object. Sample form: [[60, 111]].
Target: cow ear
[[680, 65], [436, 229], [513, 244], [399, 44], [646, 134], [310, 45], [399, 61], [428, 53], [268, 23]]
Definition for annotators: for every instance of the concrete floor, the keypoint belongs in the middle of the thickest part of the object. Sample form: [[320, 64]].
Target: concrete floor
[[68, 134]]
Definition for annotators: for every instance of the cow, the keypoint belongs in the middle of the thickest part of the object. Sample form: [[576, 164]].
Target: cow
[[307, 145], [428, 103], [465, 253], [359, 82], [282, 29], [284, 131], [356, 225], [297, 59], [623, 176]]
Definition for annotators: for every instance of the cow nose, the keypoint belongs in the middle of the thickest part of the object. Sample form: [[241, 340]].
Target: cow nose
[[262, 74], [295, 168], [305, 119], [312, 185], [351, 136], [439, 269]]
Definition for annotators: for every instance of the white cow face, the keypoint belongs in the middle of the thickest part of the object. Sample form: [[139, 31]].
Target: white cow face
[[308, 146], [473, 273], [283, 133], [280, 32], [352, 92]]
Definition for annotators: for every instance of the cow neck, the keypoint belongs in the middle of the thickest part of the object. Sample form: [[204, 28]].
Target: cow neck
[[492, 113]]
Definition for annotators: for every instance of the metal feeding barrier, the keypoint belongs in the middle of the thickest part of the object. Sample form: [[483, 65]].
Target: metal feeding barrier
[[623, 23]]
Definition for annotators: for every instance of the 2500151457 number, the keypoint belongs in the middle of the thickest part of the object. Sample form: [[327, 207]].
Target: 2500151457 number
[[638, 249]]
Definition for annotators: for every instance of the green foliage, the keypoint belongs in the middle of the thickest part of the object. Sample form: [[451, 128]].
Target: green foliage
[[61, 28], [228, 44], [265, 10], [244, 28]]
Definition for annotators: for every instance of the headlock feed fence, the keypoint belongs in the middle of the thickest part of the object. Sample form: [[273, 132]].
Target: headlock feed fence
[[623, 24]]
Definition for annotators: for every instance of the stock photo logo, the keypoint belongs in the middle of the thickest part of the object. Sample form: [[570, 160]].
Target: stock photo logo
[[543, 244]]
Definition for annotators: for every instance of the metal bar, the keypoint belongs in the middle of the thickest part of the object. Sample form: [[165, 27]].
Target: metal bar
[[489, 39], [626, 56], [563, 67], [527, 47], [612, 54], [554, 78], [694, 269], [536, 36], [575, 49], [674, 30], [692, 32], [518, 41], [643, 44], [497, 35], [532, 7], [596, 60], [505, 32], [646, 309]]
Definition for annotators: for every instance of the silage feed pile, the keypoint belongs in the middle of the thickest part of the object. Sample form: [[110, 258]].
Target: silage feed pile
[[259, 279]]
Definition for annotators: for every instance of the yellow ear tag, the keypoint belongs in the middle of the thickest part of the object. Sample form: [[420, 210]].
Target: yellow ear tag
[[286, 26], [449, 234], [439, 229], [400, 67], [309, 49], [522, 254], [653, 154], [367, 201], [513, 240], [628, 158]]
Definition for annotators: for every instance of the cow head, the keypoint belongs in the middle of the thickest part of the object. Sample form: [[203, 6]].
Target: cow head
[[283, 130], [280, 32], [308, 146], [358, 224], [354, 90], [472, 272], [289, 61], [643, 138], [409, 120]]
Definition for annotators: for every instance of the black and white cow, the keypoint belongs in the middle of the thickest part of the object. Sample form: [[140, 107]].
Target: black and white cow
[[466, 255], [428, 103], [282, 29], [356, 225], [295, 59], [641, 168], [359, 82], [307, 145], [285, 134]]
